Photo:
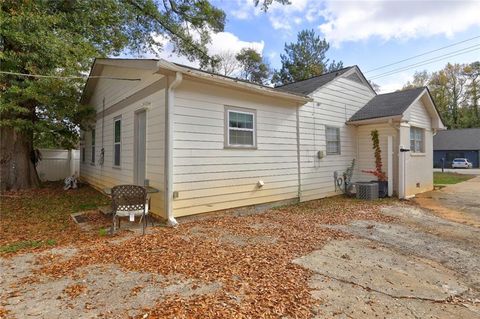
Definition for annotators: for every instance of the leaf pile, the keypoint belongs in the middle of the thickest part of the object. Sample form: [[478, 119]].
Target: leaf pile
[[258, 279]]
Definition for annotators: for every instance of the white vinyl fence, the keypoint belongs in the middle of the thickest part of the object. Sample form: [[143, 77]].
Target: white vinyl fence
[[58, 164]]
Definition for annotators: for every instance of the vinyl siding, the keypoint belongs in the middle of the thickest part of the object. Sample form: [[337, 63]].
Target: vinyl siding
[[418, 116], [333, 105], [209, 177], [106, 175], [366, 156]]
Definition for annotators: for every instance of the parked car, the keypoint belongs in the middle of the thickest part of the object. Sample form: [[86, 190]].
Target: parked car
[[461, 163]]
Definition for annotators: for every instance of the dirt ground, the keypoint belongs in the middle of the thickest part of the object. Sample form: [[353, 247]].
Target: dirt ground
[[332, 258], [458, 202]]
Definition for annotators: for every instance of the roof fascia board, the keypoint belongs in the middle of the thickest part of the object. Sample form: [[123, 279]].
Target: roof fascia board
[[129, 63], [375, 120], [96, 70], [165, 67]]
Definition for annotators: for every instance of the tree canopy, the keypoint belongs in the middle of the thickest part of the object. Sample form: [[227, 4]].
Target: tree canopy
[[456, 92], [252, 65], [304, 59], [59, 40]]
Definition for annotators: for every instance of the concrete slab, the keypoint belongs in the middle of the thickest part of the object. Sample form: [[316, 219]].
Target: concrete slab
[[337, 299], [376, 268]]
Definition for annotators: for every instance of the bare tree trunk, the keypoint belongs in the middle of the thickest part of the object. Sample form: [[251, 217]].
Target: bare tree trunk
[[17, 170]]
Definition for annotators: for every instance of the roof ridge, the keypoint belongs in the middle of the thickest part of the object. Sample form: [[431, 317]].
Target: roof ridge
[[405, 90], [316, 76]]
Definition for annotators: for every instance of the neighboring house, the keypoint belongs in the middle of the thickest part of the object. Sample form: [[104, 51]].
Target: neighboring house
[[210, 142], [451, 144]]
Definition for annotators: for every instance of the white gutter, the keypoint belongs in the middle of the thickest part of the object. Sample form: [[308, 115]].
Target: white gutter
[[169, 149]]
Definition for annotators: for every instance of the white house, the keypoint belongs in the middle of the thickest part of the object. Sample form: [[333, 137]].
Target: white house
[[209, 142]]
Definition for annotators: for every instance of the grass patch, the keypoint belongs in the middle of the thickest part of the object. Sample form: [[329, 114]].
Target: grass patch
[[450, 178], [28, 244], [102, 232]]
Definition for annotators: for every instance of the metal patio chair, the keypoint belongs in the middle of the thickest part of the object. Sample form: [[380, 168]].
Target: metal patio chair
[[131, 201]]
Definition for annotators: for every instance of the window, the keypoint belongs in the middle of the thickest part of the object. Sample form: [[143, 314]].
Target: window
[[93, 146], [416, 140], [117, 131], [333, 140], [241, 128]]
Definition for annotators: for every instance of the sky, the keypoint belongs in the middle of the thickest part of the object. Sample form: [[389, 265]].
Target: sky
[[370, 34]]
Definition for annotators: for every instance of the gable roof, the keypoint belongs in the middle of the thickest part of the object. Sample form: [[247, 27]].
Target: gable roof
[[387, 105], [457, 140], [312, 84], [162, 66]]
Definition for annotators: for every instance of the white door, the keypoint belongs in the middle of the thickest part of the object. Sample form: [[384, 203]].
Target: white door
[[140, 143]]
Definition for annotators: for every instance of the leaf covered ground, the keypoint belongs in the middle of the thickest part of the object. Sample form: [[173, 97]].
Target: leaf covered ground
[[40, 218], [248, 258]]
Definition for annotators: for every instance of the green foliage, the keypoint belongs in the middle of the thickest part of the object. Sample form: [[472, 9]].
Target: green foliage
[[61, 38], [253, 67], [456, 92], [304, 59]]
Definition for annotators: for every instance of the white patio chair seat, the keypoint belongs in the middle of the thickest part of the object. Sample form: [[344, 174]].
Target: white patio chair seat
[[129, 200]]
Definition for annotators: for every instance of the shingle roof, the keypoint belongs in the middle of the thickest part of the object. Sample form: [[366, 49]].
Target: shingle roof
[[457, 140], [310, 85], [385, 105]]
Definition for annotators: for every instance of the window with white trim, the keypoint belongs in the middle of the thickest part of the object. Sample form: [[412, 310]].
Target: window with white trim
[[417, 140], [240, 131], [117, 139], [93, 146], [332, 137]]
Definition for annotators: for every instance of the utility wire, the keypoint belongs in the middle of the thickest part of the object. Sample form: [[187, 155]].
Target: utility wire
[[425, 62], [69, 77], [422, 54]]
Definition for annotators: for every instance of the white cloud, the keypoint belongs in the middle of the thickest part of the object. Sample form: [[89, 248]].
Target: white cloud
[[360, 20], [220, 42], [392, 84], [226, 41], [347, 20]]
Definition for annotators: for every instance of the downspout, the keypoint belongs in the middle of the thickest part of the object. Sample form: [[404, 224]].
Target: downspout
[[299, 176], [169, 149]]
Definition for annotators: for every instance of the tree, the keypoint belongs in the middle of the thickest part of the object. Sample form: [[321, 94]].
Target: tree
[[455, 90], [420, 78], [375, 86], [304, 59], [253, 67], [60, 39], [472, 72], [224, 63]]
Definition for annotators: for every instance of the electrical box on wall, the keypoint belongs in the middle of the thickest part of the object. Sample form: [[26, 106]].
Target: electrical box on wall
[[320, 154]]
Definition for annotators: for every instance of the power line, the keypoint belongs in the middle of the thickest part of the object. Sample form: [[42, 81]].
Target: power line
[[442, 56], [69, 77], [426, 62], [422, 54]]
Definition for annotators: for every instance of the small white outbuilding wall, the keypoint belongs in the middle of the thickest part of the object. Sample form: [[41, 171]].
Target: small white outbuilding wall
[[58, 164]]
